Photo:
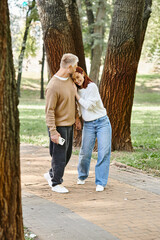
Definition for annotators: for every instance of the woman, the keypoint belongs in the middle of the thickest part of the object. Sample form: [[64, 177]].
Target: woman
[[96, 125]]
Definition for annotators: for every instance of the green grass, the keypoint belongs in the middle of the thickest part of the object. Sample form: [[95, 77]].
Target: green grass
[[147, 90], [145, 122], [33, 129], [28, 235]]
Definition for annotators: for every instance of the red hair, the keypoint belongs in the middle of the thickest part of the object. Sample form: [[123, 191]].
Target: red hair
[[87, 80]]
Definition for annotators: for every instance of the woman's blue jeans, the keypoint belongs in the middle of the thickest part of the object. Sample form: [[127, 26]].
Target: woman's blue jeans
[[100, 129]]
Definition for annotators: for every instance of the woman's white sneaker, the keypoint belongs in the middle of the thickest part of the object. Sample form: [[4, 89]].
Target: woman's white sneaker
[[99, 188], [80, 182], [59, 189]]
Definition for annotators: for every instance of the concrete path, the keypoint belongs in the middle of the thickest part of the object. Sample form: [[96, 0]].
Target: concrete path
[[128, 209], [50, 221]]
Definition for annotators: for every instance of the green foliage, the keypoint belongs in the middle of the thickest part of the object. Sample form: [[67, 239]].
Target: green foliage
[[31, 45], [87, 37], [33, 14], [19, 17], [151, 47]]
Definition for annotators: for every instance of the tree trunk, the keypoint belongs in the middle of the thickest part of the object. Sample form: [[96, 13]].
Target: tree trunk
[[42, 73], [75, 26], [21, 56], [126, 37], [56, 32], [97, 48], [11, 224], [60, 35], [90, 18], [79, 4]]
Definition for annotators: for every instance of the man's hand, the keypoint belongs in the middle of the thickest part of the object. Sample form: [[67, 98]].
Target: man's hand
[[55, 138]]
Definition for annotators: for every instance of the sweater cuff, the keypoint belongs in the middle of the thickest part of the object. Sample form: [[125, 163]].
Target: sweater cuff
[[53, 131], [81, 101]]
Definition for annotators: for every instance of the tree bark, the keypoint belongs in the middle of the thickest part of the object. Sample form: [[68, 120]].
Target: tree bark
[[56, 32], [90, 18], [21, 56], [126, 37], [11, 224], [75, 26], [42, 73], [61, 35], [97, 48]]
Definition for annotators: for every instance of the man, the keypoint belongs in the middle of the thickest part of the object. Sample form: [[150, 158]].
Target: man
[[60, 117]]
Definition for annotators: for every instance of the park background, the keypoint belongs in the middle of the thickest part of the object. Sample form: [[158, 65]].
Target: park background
[[145, 124], [26, 46]]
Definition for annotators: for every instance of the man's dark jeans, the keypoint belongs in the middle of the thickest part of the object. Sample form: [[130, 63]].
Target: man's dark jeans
[[60, 154]]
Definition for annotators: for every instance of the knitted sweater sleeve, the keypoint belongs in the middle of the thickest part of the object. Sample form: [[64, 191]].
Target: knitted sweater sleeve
[[51, 101], [92, 98]]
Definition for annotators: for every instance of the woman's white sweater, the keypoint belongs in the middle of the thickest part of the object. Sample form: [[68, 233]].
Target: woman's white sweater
[[91, 106]]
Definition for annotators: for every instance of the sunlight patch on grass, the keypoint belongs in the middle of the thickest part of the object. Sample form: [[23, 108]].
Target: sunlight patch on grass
[[41, 140], [31, 107], [146, 108]]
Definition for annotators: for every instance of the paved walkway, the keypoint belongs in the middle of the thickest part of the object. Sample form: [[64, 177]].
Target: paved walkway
[[51, 221], [129, 208]]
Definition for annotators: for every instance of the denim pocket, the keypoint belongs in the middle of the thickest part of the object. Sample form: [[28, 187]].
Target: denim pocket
[[104, 120]]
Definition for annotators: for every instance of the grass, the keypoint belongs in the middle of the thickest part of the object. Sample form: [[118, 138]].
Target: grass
[[145, 123], [28, 235], [33, 129]]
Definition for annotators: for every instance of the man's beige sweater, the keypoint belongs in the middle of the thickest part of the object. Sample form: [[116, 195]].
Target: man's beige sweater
[[60, 104]]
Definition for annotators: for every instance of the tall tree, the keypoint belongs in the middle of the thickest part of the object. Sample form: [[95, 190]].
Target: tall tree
[[42, 73], [30, 15], [57, 32], [129, 23], [97, 48], [96, 25], [72, 14], [11, 225], [90, 18], [62, 34]]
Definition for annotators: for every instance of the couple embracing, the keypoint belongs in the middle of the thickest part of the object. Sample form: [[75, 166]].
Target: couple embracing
[[68, 85]]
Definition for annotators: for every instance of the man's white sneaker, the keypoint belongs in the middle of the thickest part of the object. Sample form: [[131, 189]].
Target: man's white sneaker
[[80, 182], [99, 188], [59, 189], [48, 178]]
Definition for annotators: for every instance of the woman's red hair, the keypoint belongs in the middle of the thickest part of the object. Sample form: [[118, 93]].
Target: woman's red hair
[[87, 80]]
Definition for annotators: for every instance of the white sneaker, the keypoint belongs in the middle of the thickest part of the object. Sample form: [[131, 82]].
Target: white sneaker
[[80, 182], [99, 188], [48, 178], [59, 189]]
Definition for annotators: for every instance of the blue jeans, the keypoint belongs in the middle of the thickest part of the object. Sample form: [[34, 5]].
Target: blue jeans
[[100, 129]]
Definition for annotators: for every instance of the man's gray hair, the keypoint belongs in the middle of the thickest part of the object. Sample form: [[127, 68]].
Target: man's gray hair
[[68, 59]]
